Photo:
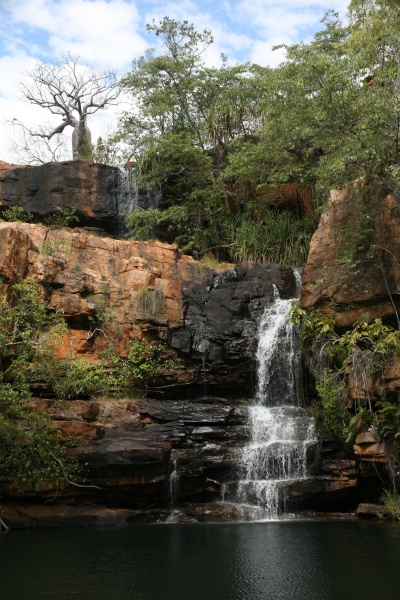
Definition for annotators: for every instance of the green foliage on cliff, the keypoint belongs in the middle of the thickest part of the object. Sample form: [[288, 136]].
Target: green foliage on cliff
[[360, 353], [16, 213], [218, 138], [150, 301], [113, 376], [30, 448], [188, 119], [268, 236]]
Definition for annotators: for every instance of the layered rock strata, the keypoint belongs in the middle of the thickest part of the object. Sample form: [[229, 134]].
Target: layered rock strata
[[207, 317], [134, 453]]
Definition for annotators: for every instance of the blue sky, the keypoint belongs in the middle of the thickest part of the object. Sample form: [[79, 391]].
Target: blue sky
[[111, 33]]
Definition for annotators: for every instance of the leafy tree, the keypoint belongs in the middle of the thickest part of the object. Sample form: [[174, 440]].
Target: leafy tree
[[218, 138], [168, 88], [331, 110], [31, 450], [181, 133], [374, 45], [309, 108]]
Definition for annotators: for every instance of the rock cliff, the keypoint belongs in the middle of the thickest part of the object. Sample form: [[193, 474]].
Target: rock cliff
[[353, 275], [99, 195], [208, 316], [132, 447], [190, 424], [353, 268]]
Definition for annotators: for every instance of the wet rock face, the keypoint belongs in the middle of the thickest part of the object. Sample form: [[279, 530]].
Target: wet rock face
[[92, 190], [130, 451], [221, 318], [134, 453]]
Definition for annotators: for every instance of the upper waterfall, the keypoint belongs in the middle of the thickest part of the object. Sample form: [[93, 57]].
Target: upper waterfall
[[278, 357], [131, 196]]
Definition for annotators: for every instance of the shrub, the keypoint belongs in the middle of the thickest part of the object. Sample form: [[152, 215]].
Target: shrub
[[278, 237], [16, 213], [63, 218], [391, 501], [30, 449], [61, 246], [150, 301]]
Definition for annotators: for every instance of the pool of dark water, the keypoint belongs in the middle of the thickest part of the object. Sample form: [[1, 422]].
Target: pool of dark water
[[244, 561]]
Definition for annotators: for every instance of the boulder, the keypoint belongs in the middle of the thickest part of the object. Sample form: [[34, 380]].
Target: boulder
[[369, 448], [371, 511], [91, 190], [22, 516]]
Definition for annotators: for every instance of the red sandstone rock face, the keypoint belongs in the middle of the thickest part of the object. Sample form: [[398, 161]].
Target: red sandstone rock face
[[351, 269], [368, 448], [81, 270], [207, 316], [296, 199]]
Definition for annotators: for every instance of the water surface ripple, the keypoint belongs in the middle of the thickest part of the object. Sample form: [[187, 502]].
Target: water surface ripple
[[242, 561]]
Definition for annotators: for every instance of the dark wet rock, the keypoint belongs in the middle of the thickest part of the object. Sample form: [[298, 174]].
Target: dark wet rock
[[217, 512], [221, 317], [23, 516], [91, 190], [323, 493], [190, 413]]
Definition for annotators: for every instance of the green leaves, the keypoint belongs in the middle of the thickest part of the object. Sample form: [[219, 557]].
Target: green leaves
[[32, 452], [361, 353], [30, 449], [218, 138], [114, 376], [28, 331], [279, 237]]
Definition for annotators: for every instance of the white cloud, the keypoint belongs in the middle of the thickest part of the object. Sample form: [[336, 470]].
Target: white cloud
[[102, 33]]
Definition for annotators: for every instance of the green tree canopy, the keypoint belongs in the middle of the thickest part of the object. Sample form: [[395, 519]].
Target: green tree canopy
[[218, 138]]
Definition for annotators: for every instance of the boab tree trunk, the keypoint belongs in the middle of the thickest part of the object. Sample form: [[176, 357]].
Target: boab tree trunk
[[81, 140]]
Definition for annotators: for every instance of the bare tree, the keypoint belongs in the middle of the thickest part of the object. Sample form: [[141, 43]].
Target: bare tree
[[38, 149], [72, 91]]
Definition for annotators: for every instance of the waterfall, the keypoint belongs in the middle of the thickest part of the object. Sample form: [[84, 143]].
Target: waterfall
[[174, 485], [131, 197], [281, 431]]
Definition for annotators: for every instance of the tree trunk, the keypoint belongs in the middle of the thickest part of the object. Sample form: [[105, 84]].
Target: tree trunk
[[81, 140]]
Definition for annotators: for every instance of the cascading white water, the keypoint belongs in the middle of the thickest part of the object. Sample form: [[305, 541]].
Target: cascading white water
[[281, 431], [174, 485], [132, 197]]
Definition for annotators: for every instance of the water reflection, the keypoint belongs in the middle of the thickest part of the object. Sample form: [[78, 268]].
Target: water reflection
[[245, 561]]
